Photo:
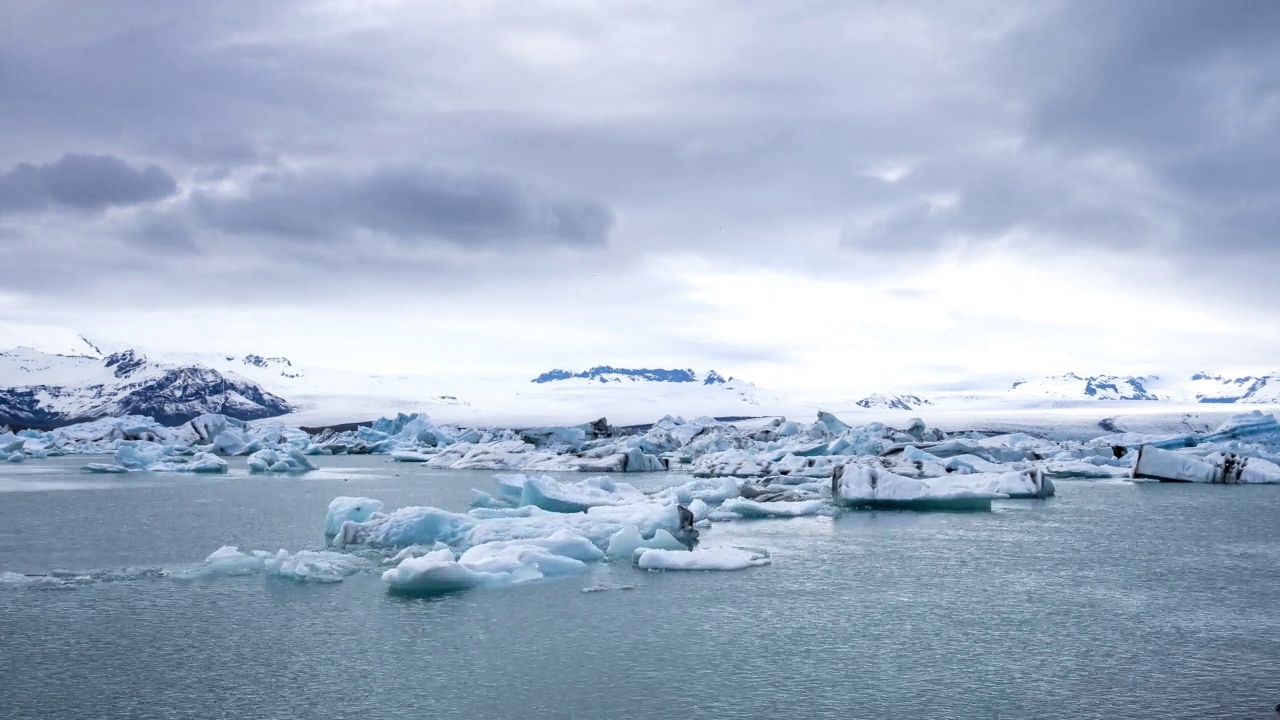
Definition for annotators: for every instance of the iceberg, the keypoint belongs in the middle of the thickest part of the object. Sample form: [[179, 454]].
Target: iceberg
[[1222, 468], [869, 487]]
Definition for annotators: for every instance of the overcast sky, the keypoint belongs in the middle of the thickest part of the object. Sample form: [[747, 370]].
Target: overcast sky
[[876, 195]]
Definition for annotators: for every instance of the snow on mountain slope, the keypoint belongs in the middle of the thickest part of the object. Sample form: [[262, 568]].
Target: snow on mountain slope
[[1075, 387], [607, 374], [633, 395], [44, 389], [893, 401]]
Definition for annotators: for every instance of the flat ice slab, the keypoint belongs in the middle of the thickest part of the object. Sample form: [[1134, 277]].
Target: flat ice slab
[[720, 558]]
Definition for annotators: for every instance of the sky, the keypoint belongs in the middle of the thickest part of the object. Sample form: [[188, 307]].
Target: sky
[[874, 195]]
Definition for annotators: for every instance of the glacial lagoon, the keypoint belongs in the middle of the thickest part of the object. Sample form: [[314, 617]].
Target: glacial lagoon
[[1111, 599]]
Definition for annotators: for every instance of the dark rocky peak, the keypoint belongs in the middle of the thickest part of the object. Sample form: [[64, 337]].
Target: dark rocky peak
[[125, 363]]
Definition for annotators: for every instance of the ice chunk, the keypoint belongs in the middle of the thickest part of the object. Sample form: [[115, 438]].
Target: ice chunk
[[139, 455], [1245, 425], [303, 566], [831, 423], [206, 463], [489, 564], [410, 456], [568, 437], [721, 558], [353, 509], [561, 542], [282, 460], [315, 566], [435, 573], [556, 496], [1017, 484], [624, 543], [753, 509], [519, 561], [424, 525], [104, 468], [709, 490]]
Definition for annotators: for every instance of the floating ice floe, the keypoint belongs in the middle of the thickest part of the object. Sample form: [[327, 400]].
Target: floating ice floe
[[721, 558]]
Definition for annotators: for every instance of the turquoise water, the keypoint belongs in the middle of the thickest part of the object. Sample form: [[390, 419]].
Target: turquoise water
[[1110, 601]]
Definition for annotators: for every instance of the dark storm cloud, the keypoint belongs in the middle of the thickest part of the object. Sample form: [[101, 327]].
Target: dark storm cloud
[[406, 204], [82, 182]]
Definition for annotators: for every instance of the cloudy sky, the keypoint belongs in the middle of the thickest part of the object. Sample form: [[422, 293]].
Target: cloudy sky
[[876, 195]]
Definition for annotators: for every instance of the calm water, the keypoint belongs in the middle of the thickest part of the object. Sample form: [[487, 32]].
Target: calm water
[[1110, 601]]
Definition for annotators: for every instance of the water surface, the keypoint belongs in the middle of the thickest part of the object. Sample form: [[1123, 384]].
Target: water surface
[[1112, 600]]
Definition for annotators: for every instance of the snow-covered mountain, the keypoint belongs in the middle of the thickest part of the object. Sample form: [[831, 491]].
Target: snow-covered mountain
[[634, 391], [893, 401], [1075, 387], [63, 383], [44, 389], [608, 374], [1210, 388]]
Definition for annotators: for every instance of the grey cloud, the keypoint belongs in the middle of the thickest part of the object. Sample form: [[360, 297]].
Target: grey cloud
[[1044, 198], [82, 182], [1186, 91], [753, 135], [407, 204]]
